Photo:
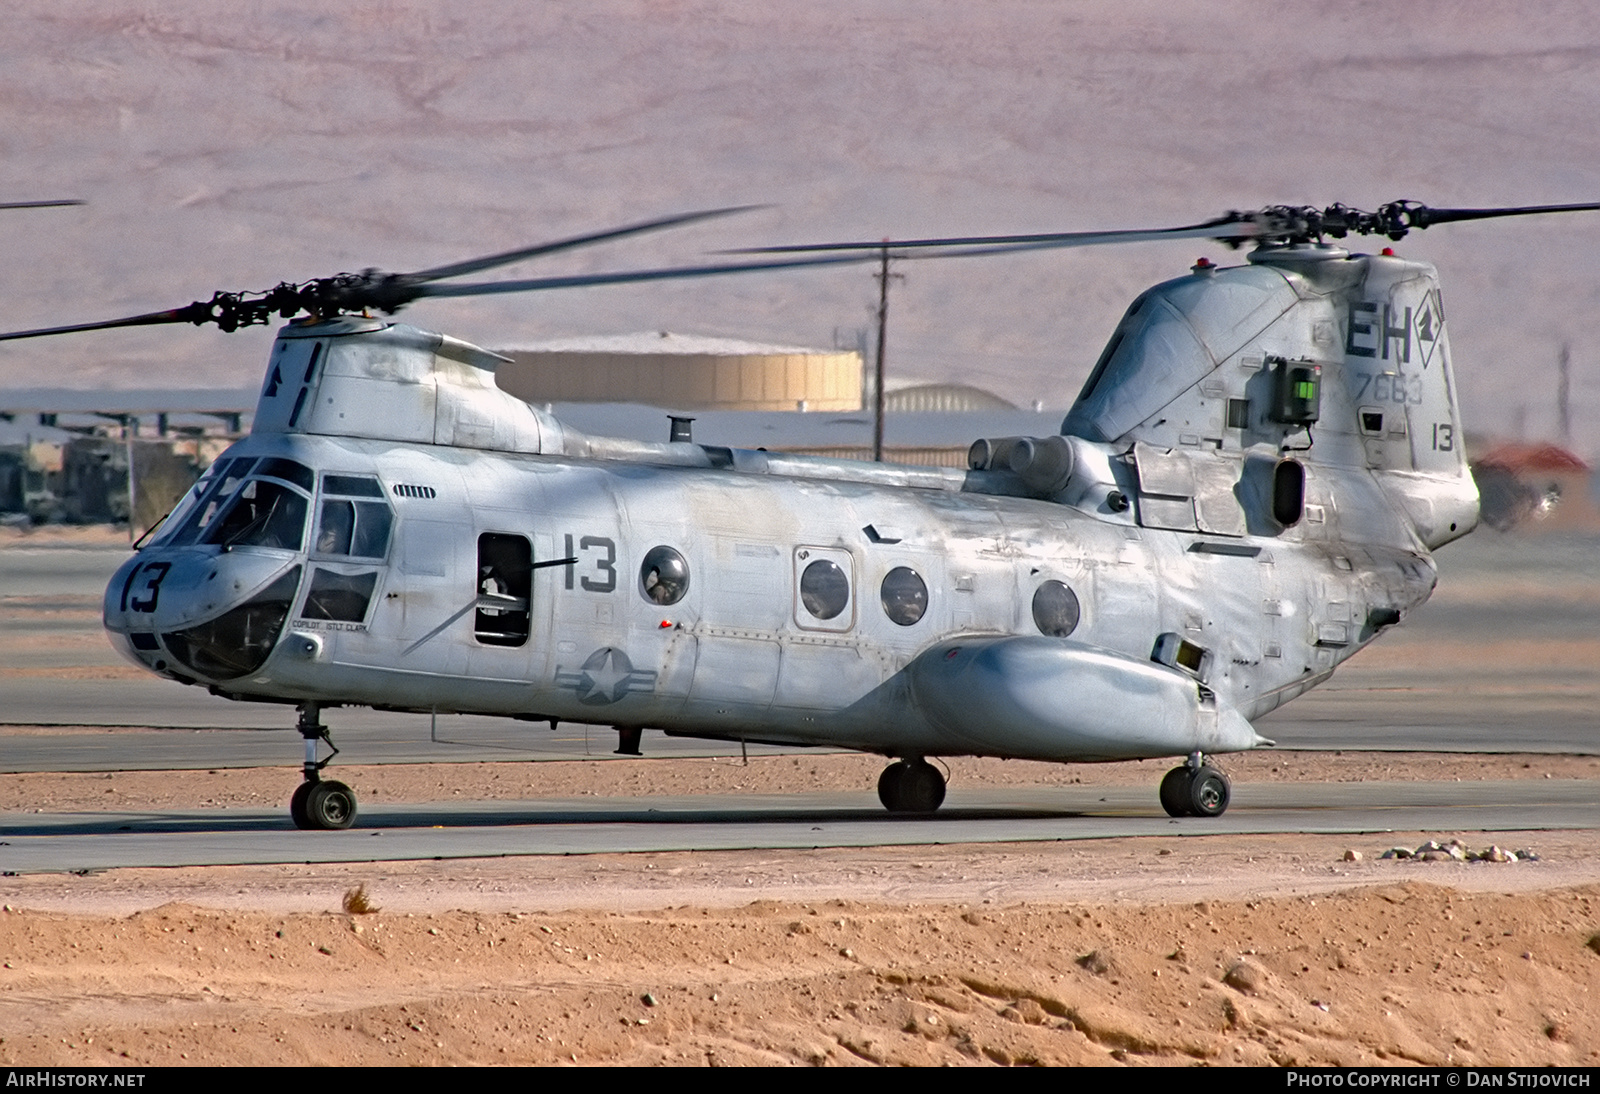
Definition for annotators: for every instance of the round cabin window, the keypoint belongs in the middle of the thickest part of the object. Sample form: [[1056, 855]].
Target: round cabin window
[[824, 589], [905, 596], [664, 576], [1055, 609]]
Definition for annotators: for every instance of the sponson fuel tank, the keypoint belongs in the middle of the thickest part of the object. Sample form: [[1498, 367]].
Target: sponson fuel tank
[[1056, 699]]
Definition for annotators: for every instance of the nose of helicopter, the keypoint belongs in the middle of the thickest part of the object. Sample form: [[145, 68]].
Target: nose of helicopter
[[197, 611]]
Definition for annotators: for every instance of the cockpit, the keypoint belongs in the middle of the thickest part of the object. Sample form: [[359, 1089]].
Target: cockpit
[[244, 502], [212, 592]]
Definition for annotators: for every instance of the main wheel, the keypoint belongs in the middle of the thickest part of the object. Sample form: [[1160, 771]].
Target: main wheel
[[330, 805], [1175, 792], [297, 805], [889, 786], [911, 786], [1209, 793]]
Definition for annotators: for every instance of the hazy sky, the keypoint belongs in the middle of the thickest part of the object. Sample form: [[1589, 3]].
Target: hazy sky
[[233, 145]]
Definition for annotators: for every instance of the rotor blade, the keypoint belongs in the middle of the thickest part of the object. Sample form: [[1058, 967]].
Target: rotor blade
[[40, 204], [1231, 236], [489, 288], [1233, 226], [185, 314], [1421, 216], [473, 265]]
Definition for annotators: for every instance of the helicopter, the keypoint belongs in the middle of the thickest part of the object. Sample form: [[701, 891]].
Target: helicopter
[[1248, 490]]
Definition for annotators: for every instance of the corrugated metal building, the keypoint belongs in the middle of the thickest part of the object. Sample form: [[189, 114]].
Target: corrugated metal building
[[684, 372]]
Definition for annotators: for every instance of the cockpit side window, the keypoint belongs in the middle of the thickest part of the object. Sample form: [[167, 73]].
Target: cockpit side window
[[356, 486], [350, 526], [337, 526], [262, 513]]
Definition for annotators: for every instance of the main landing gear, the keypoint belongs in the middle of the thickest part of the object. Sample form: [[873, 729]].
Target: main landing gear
[[318, 803], [912, 785], [1196, 789]]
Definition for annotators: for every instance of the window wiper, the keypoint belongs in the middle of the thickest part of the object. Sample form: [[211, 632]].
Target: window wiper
[[259, 520], [139, 543]]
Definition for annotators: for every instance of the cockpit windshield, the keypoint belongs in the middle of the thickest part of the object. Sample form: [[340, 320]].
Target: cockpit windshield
[[262, 513], [199, 508], [195, 518]]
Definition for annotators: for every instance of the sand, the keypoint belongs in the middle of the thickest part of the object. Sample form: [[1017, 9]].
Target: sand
[[1197, 950]]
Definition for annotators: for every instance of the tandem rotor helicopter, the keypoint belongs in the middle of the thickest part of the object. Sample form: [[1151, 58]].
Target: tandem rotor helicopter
[[1247, 490]]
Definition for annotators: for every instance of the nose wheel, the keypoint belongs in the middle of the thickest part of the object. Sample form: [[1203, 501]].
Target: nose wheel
[[1196, 789], [323, 805], [911, 786], [318, 803]]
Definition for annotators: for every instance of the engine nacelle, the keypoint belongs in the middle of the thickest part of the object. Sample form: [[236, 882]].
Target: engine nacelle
[[1044, 464]]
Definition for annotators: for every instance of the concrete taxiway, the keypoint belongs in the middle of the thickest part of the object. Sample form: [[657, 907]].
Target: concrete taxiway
[[31, 843]]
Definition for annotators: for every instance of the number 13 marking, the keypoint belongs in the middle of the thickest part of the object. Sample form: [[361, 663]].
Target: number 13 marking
[[155, 573], [605, 569]]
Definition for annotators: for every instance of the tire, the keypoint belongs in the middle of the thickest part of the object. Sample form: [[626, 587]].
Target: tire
[[1175, 796], [889, 787], [330, 805], [1209, 793], [911, 786], [922, 788], [297, 806]]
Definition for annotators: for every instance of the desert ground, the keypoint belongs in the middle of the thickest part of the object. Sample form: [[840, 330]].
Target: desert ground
[[1192, 950]]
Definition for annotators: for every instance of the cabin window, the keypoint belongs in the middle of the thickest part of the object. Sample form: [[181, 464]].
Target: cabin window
[[1055, 609], [664, 576], [824, 590], [505, 589], [904, 595], [339, 597]]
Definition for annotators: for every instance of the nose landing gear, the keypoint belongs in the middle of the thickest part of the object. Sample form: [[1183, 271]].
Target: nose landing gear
[[911, 786], [319, 804], [1195, 789]]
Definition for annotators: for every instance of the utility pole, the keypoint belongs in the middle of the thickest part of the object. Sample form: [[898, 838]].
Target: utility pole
[[883, 275], [1564, 395]]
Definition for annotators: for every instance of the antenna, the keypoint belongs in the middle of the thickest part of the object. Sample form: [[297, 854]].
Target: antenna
[[884, 276]]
